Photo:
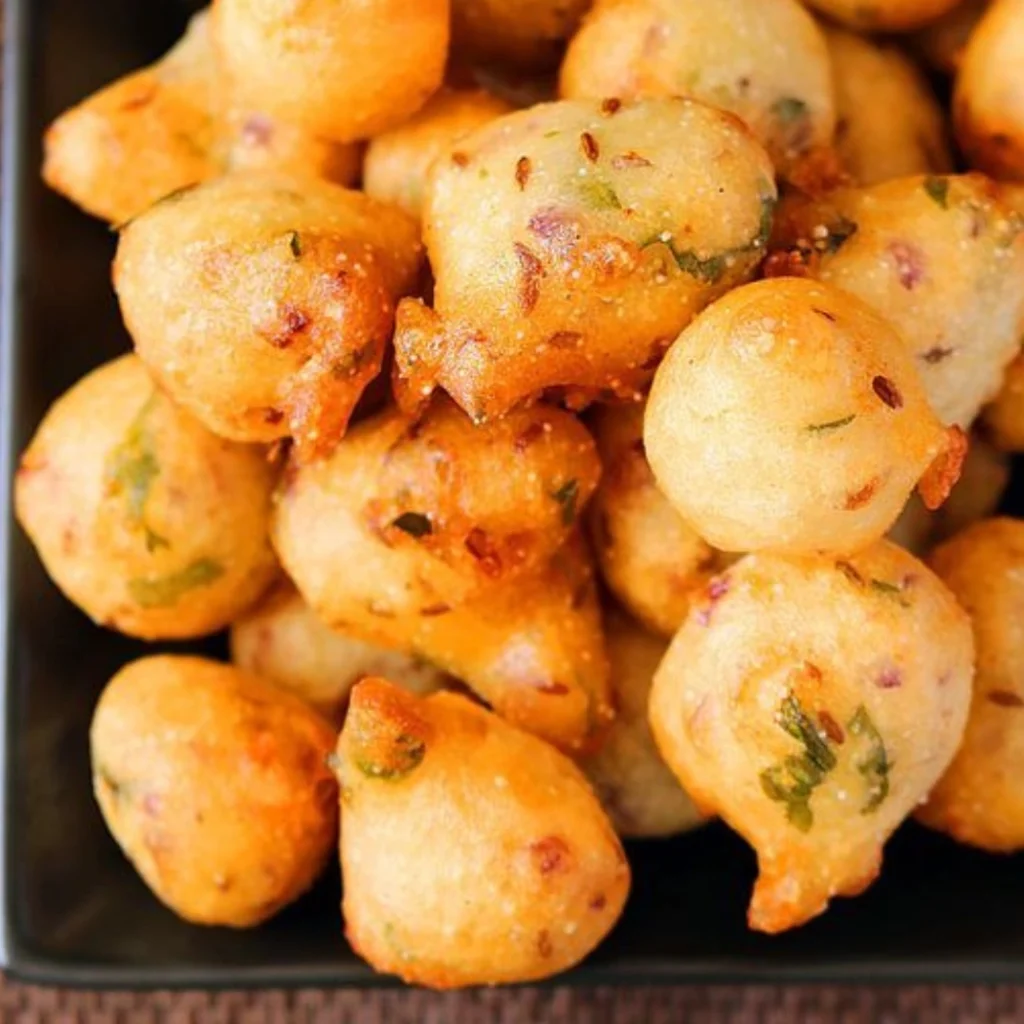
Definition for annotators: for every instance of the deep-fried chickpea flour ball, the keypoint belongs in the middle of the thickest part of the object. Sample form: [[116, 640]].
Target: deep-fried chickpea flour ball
[[790, 417], [215, 786], [979, 798], [609, 225], [471, 853], [524, 33], [342, 69], [763, 60], [144, 519], [883, 15], [263, 302], [813, 703]]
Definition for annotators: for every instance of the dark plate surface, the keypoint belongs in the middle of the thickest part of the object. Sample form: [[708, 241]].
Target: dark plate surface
[[73, 910]]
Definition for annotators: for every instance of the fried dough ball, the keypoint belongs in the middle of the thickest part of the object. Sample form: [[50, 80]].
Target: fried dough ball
[[433, 511], [215, 786], [632, 781], [941, 43], [532, 647], [883, 15], [988, 104], [283, 642], [979, 799], [977, 495], [472, 853], [170, 126], [609, 225], [527, 33], [890, 122], [812, 704], [649, 556], [397, 161], [763, 60], [790, 417], [144, 519], [942, 259], [341, 69], [263, 302]]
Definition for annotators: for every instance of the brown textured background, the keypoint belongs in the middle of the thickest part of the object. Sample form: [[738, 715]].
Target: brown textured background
[[30, 1004]]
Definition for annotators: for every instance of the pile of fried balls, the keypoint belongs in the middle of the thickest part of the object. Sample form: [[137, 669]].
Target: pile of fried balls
[[596, 411]]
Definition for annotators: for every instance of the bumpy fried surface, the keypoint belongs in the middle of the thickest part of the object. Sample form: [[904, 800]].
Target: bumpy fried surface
[[941, 258], [432, 511], [472, 853], [979, 799], [527, 33], [636, 787], [650, 557], [147, 521], [263, 302], [609, 225], [883, 15], [397, 162], [988, 104], [284, 643], [342, 69], [890, 124], [790, 417], [801, 703], [215, 786], [764, 61], [169, 126]]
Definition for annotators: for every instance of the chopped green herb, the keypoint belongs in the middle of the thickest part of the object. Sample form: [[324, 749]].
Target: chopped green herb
[[790, 109], [794, 780], [404, 754], [764, 227], [415, 524], [938, 190], [165, 591], [552, 133], [891, 590], [875, 766], [566, 496], [826, 428], [295, 244], [131, 469], [598, 195]]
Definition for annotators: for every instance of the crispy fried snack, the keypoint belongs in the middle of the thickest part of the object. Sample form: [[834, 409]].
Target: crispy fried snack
[[170, 126], [432, 511], [941, 258], [472, 853], [890, 122], [341, 69], [979, 799], [283, 642], [609, 225], [763, 60], [988, 104], [263, 302], [977, 494], [884, 15], [524, 33], [649, 556], [813, 703], [144, 519], [632, 781], [215, 786], [397, 161], [790, 417]]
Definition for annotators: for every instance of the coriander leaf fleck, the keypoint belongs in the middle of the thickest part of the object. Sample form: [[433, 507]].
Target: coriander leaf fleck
[[165, 591], [790, 109], [827, 428], [875, 766], [567, 496], [938, 190]]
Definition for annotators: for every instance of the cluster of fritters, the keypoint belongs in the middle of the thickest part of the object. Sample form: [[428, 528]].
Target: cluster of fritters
[[577, 466]]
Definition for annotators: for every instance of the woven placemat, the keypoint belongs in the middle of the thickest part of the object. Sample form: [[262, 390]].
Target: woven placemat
[[24, 1004]]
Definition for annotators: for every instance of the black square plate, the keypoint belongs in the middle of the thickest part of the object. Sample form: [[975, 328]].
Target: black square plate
[[73, 911]]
